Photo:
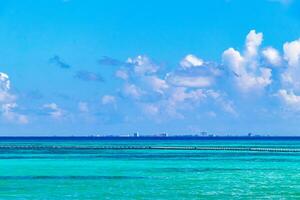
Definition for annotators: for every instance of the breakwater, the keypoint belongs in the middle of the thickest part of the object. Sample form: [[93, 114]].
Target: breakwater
[[196, 148]]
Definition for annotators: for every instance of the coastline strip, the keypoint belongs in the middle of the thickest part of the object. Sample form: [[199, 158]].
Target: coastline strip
[[197, 148]]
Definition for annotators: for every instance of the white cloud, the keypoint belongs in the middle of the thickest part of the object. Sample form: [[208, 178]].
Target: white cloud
[[248, 73], [194, 73], [226, 105], [249, 82], [5, 95], [142, 65], [108, 99], [54, 110], [290, 77], [4, 82], [180, 99], [190, 81], [272, 56], [234, 60], [253, 41], [181, 94], [182, 89], [10, 115], [191, 61], [185, 99], [151, 109], [290, 99], [292, 53], [157, 84], [8, 102], [132, 91], [122, 74], [83, 107]]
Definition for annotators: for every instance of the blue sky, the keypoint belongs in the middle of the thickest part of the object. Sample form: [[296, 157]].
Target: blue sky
[[74, 67]]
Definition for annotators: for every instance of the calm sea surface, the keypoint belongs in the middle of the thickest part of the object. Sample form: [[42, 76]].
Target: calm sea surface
[[81, 172]]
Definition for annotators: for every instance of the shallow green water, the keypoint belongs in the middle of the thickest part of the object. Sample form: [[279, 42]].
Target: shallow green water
[[74, 173]]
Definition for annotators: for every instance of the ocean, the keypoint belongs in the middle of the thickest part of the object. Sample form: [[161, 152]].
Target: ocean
[[83, 168]]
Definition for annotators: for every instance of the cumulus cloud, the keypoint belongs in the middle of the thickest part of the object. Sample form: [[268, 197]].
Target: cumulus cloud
[[5, 95], [4, 82], [8, 102], [253, 41], [292, 52], [181, 94], [122, 74], [185, 99], [181, 100], [194, 73], [191, 61], [10, 115], [108, 99], [178, 101], [290, 99], [151, 109], [189, 81], [173, 93], [140, 75], [248, 73], [157, 84], [132, 91], [272, 56], [142, 65], [225, 104], [53, 110], [253, 69], [193, 83], [290, 77]]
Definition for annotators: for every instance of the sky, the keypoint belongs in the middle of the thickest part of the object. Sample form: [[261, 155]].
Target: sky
[[84, 67]]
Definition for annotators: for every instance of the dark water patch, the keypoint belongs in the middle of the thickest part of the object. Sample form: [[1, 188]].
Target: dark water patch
[[195, 170], [45, 157], [179, 159], [263, 157], [201, 157], [86, 158], [50, 151], [70, 177], [289, 160]]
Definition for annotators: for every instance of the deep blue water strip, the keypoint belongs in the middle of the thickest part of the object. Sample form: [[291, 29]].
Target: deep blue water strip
[[116, 138]]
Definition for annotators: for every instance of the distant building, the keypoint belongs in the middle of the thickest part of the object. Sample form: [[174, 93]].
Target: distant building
[[203, 134], [164, 135], [136, 134]]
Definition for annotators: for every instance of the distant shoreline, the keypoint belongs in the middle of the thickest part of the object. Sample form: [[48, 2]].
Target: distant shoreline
[[179, 137]]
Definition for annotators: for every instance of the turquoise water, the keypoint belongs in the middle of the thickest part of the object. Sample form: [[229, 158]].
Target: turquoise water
[[88, 173]]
